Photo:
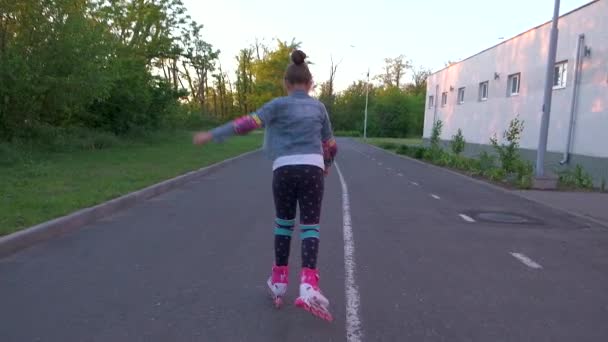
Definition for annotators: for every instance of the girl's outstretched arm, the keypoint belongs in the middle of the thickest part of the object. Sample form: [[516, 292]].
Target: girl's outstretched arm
[[240, 126]]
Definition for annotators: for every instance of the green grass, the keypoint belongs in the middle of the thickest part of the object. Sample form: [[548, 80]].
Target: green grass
[[398, 141], [45, 186]]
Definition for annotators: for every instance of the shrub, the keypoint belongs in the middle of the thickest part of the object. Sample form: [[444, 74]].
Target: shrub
[[428, 155], [509, 153], [576, 178], [404, 149], [419, 152], [461, 163], [434, 152], [8, 154], [525, 182], [388, 145], [101, 140], [486, 161], [46, 138], [458, 143], [443, 159], [496, 174], [436, 133], [523, 173], [473, 165]]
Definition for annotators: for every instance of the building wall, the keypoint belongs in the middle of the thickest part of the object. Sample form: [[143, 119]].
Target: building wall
[[527, 54]]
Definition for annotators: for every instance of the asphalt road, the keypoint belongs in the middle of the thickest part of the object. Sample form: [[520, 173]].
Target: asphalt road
[[191, 265]]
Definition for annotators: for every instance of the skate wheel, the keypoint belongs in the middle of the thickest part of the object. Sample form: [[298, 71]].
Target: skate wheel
[[315, 309]]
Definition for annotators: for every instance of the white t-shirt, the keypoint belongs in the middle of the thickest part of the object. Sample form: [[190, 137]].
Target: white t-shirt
[[299, 159]]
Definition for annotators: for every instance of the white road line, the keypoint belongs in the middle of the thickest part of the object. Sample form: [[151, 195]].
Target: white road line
[[379, 163], [414, 184], [400, 174], [435, 196], [466, 218], [389, 169], [354, 332], [526, 261]]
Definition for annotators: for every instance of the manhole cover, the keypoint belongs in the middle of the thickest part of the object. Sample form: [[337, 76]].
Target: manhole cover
[[502, 217]]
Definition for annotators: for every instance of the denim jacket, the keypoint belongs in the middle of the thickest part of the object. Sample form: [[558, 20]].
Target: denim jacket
[[294, 124]]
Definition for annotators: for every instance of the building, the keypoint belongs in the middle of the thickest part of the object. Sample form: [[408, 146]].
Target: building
[[484, 92]]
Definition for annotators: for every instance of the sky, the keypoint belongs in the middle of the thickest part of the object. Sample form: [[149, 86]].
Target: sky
[[360, 34]]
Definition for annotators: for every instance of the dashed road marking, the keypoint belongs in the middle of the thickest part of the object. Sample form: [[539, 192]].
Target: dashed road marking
[[526, 260], [467, 218]]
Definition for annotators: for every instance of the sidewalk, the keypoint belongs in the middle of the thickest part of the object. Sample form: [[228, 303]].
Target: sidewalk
[[591, 205]]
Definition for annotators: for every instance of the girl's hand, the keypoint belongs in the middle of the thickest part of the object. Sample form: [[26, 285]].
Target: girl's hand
[[202, 138]]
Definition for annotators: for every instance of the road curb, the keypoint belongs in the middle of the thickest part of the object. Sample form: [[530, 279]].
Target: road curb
[[495, 187], [28, 237]]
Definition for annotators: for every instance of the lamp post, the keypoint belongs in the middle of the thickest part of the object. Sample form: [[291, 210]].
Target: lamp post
[[544, 125], [366, 102]]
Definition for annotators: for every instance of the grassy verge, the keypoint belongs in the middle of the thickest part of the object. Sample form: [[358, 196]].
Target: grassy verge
[[504, 166], [48, 185], [390, 142], [485, 167], [347, 134]]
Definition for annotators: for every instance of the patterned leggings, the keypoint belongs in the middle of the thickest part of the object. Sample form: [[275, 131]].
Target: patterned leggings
[[293, 185]]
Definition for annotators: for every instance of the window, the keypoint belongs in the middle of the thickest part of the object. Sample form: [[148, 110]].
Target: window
[[513, 84], [431, 101], [561, 73], [483, 90], [461, 95], [444, 99]]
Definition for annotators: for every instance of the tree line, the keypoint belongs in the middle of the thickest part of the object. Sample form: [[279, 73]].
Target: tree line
[[396, 100], [120, 65], [125, 65]]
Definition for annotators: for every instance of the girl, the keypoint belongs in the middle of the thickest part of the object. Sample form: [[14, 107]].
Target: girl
[[300, 141]]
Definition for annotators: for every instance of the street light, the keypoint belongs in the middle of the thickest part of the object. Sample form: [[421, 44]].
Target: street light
[[366, 101], [544, 126]]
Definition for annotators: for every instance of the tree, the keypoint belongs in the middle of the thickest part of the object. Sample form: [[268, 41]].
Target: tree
[[268, 72], [224, 101], [387, 77], [394, 71], [395, 113], [54, 63], [244, 79], [348, 110], [327, 94], [419, 77], [199, 63], [399, 68], [92, 63]]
